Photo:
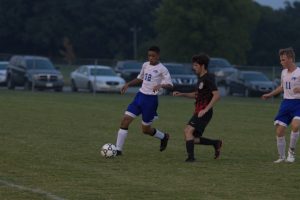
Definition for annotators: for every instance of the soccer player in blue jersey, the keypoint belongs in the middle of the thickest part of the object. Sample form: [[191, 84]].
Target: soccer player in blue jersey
[[289, 111], [153, 77], [206, 95]]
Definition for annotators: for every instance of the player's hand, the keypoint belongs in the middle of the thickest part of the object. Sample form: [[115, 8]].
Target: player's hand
[[156, 88], [266, 96], [201, 113], [296, 90], [124, 88], [176, 93]]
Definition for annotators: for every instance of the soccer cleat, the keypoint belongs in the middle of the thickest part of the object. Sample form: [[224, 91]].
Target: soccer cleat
[[279, 160], [190, 159], [291, 156], [164, 142], [119, 153], [218, 147]]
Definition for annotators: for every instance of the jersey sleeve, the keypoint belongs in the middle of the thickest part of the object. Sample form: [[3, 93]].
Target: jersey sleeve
[[166, 77], [141, 74]]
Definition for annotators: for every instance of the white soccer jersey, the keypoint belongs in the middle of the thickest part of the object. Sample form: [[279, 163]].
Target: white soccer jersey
[[152, 75], [289, 81]]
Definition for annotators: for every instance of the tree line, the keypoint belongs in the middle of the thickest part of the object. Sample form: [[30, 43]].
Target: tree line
[[242, 31]]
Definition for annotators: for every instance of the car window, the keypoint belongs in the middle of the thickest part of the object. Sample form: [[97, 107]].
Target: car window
[[179, 69], [222, 63], [255, 77], [39, 64], [102, 72], [3, 66], [132, 65]]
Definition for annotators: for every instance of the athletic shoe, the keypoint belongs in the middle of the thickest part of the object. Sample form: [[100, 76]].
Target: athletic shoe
[[218, 147], [291, 156], [119, 153], [164, 142], [280, 160], [190, 159]]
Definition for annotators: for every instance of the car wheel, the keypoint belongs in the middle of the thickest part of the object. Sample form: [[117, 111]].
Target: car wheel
[[246, 93], [90, 87], [10, 84], [27, 85], [59, 89], [73, 86]]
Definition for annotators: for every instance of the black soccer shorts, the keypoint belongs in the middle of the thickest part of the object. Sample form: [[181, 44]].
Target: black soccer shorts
[[200, 123]]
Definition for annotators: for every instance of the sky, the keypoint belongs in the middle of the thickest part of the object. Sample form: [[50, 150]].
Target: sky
[[275, 4]]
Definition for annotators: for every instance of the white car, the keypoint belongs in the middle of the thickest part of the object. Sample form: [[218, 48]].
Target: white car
[[3, 72], [96, 78]]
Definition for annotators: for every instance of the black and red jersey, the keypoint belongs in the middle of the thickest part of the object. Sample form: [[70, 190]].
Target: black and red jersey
[[205, 86]]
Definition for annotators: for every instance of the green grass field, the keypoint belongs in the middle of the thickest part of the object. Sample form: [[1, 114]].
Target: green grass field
[[50, 149]]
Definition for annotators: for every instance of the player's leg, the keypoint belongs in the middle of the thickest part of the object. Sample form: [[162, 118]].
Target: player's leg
[[293, 139], [122, 133], [164, 137], [281, 143], [189, 142], [200, 125], [132, 111], [149, 104], [282, 120]]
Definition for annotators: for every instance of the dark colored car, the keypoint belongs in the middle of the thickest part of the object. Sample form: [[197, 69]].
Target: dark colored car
[[33, 72], [183, 77], [221, 68], [249, 83], [128, 69]]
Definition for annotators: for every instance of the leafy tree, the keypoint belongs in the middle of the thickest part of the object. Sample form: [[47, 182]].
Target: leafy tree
[[220, 28], [276, 29]]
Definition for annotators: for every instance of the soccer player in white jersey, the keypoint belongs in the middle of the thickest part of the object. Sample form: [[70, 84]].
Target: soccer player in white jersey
[[153, 77], [289, 111]]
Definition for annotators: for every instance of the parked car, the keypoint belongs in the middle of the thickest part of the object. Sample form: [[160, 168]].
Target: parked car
[[128, 69], [3, 72], [221, 68], [96, 77], [249, 83], [183, 77], [33, 72]]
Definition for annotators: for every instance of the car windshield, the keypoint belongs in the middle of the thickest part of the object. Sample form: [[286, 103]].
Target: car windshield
[[39, 64], [3, 66], [179, 69], [222, 63], [102, 72], [132, 65], [255, 77]]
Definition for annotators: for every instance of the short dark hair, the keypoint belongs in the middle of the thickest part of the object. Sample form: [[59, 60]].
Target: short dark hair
[[155, 49], [201, 59], [289, 52]]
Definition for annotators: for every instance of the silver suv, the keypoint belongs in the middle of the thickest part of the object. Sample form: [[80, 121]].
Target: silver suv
[[33, 72]]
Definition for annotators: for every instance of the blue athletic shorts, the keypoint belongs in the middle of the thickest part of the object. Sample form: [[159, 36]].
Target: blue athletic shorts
[[289, 109], [145, 105]]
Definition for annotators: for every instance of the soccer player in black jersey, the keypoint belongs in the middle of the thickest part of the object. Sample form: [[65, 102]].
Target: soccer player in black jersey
[[206, 95]]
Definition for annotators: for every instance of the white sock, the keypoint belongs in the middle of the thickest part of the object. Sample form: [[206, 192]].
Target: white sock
[[294, 139], [281, 146], [122, 134], [159, 134]]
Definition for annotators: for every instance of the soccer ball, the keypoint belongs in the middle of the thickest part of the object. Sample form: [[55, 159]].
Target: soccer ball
[[108, 150]]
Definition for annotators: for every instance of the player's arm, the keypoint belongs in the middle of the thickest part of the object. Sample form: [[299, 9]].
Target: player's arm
[[275, 92], [216, 97], [182, 94], [133, 82]]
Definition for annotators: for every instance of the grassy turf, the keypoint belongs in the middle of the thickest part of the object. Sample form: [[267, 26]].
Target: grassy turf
[[51, 142]]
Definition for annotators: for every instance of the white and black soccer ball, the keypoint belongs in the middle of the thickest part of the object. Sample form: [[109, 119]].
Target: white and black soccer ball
[[108, 150]]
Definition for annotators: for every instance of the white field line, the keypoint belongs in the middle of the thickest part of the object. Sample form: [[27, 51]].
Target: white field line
[[36, 191]]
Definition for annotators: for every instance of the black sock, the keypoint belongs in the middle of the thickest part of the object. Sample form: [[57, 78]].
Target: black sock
[[206, 141], [190, 148]]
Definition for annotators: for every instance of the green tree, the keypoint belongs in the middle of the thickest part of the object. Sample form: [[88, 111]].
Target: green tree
[[220, 28]]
